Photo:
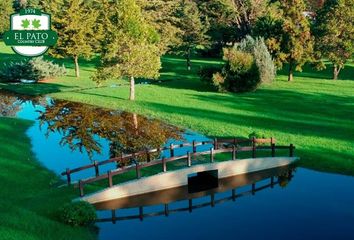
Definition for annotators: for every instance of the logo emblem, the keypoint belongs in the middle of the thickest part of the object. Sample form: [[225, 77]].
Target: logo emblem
[[30, 33]]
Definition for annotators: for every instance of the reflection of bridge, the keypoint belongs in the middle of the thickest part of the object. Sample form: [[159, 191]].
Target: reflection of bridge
[[168, 197], [225, 168]]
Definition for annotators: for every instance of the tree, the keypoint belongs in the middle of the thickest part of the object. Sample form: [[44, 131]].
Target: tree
[[20, 4], [334, 33], [76, 26], [297, 41], [221, 18], [130, 48], [286, 31], [162, 15], [6, 10], [194, 30]]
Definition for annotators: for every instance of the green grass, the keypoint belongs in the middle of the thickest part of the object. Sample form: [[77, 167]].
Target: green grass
[[29, 193], [313, 112]]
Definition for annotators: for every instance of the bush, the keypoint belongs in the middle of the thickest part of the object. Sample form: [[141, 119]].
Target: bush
[[78, 214], [35, 69], [206, 73], [263, 58], [241, 72], [15, 71], [218, 81]]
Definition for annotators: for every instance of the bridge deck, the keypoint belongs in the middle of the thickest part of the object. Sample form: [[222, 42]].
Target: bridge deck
[[167, 180]]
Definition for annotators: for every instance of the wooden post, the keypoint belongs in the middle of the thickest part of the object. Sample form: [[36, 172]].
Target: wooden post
[[166, 210], [253, 147], [253, 188], [110, 181], [148, 158], [291, 150], [273, 150], [81, 187], [215, 143], [68, 176], [141, 213], [190, 205], [189, 159], [211, 155], [114, 216], [172, 152], [233, 152], [233, 194], [164, 167], [235, 141], [272, 182], [97, 172], [194, 147], [138, 173]]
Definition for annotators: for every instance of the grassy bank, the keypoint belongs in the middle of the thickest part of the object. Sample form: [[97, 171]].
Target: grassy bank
[[29, 193], [313, 112]]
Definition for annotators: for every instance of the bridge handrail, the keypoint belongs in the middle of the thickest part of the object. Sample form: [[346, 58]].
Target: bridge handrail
[[216, 142], [163, 162]]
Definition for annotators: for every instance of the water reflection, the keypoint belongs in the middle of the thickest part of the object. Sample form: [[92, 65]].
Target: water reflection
[[68, 135], [80, 125], [180, 199]]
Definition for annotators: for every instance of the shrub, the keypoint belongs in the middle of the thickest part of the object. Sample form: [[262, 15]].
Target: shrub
[[218, 82], [34, 69], [78, 214], [206, 73], [241, 72], [263, 58], [46, 69], [15, 71]]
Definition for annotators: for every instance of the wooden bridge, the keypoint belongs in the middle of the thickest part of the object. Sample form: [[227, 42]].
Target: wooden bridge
[[166, 199], [233, 146]]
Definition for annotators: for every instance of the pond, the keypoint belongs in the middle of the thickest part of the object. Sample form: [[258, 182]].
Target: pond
[[302, 204], [69, 135]]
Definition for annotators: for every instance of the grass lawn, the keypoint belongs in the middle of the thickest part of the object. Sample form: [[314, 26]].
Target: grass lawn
[[29, 196], [313, 112]]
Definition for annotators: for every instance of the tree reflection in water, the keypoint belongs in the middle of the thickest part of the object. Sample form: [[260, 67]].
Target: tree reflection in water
[[80, 126]]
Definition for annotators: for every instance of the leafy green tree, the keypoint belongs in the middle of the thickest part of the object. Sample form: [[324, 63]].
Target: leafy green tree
[[297, 41], [286, 31], [194, 30], [130, 48], [6, 10], [76, 26], [334, 33], [20, 4], [162, 15]]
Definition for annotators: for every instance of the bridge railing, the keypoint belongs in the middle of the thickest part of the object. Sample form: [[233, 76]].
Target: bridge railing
[[167, 210], [217, 142], [234, 150]]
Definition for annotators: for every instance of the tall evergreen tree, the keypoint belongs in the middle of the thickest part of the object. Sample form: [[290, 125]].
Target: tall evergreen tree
[[194, 31], [6, 10], [334, 33], [161, 14], [130, 48], [76, 27]]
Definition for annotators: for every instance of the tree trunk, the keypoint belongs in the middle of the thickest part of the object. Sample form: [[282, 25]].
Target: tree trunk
[[189, 64], [132, 89], [291, 72], [77, 68], [336, 70], [135, 121]]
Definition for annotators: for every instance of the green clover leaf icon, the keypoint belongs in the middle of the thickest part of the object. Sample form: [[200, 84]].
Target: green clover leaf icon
[[36, 23], [25, 23]]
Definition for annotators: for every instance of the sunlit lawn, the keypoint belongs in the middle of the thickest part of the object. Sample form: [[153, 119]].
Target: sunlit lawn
[[313, 112]]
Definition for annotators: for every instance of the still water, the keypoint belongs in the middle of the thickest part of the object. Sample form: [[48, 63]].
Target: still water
[[69, 135], [302, 204]]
